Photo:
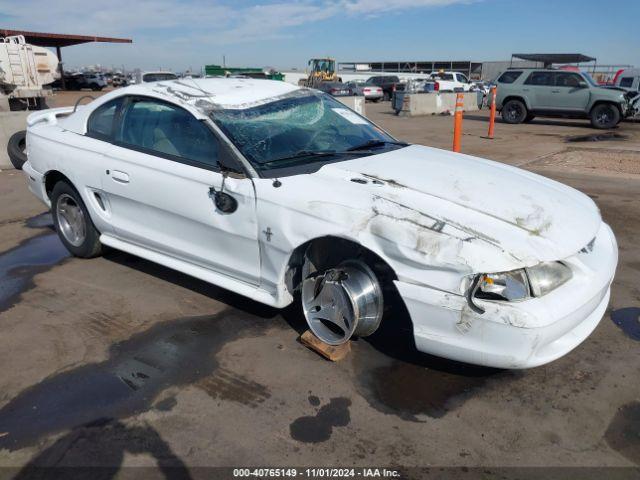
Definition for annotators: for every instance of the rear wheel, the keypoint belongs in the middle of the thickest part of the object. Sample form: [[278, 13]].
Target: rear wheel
[[73, 223], [341, 301], [514, 111], [604, 116], [17, 149], [529, 118]]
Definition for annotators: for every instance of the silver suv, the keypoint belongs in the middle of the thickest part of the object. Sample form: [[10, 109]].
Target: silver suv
[[524, 94]]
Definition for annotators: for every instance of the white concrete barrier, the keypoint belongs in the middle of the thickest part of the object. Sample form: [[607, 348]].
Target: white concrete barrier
[[10, 123], [356, 104], [417, 104]]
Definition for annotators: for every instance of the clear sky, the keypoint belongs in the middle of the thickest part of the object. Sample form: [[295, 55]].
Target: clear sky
[[283, 34]]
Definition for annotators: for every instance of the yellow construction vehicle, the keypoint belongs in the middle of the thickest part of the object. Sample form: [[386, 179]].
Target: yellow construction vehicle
[[321, 70]]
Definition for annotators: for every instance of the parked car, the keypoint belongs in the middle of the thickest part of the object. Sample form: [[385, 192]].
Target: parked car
[[336, 89], [94, 81], [282, 194], [366, 90], [119, 81], [79, 81], [387, 83], [450, 82], [524, 94]]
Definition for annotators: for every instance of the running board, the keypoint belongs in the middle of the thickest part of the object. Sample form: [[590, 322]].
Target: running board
[[209, 276]]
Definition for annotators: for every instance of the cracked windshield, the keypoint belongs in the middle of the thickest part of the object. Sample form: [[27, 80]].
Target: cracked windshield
[[300, 127]]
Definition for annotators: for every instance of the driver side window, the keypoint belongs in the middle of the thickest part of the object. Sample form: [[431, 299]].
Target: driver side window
[[168, 131]]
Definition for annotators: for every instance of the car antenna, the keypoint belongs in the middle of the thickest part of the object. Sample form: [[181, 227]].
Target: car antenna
[[276, 183]]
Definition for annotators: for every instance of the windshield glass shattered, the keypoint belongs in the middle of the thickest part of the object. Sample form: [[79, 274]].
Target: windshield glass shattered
[[301, 127]]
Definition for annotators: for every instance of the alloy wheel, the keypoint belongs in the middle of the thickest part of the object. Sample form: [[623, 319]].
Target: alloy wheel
[[71, 221]]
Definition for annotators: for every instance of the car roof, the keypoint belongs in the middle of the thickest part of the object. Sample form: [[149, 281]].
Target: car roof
[[200, 95], [223, 92]]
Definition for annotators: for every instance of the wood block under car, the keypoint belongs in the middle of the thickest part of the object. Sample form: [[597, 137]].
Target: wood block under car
[[330, 352]]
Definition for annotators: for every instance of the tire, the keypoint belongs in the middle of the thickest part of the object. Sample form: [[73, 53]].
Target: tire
[[16, 148], [605, 116], [95, 87], [86, 244], [41, 104], [514, 112], [529, 118]]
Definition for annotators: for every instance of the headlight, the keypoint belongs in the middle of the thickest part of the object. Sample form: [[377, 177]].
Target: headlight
[[503, 286], [547, 276], [518, 284]]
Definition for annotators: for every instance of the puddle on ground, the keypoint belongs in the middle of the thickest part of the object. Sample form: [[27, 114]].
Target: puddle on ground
[[395, 378], [409, 390], [318, 428], [178, 352], [596, 137], [628, 319], [623, 434], [20, 264]]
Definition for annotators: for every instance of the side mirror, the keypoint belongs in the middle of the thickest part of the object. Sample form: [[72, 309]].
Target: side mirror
[[583, 85], [222, 200], [225, 202]]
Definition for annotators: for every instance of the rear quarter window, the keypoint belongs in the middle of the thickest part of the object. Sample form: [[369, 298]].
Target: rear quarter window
[[510, 76], [101, 122], [626, 82]]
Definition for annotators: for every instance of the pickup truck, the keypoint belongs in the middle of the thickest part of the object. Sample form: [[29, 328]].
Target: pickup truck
[[450, 82]]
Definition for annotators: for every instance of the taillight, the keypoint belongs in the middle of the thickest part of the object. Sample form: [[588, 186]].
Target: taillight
[[436, 87], [393, 88]]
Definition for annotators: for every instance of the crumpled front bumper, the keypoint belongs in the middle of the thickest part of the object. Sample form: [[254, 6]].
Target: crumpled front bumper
[[517, 334]]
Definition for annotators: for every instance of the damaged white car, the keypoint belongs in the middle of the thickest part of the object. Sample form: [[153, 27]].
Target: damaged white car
[[283, 194]]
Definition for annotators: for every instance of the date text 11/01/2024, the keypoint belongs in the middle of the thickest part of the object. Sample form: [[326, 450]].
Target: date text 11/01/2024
[[316, 472]]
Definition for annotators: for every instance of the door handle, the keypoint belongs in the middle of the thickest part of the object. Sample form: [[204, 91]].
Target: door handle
[[120, 177], [555, 91]]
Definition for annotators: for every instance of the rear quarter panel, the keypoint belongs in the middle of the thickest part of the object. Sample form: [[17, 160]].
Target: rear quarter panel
[[77, 157]]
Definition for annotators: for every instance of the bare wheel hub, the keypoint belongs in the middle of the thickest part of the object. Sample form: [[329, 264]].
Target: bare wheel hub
[[70, 220], [341, 302]]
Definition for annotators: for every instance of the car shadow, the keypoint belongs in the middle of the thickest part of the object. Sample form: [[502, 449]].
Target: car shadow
[[394, 338], [191, 283]]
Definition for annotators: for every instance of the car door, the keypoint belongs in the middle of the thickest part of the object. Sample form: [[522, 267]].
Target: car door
[[538, 89], [161, 175], [571, 91]]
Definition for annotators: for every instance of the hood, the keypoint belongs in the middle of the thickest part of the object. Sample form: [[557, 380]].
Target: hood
[[530, 217]]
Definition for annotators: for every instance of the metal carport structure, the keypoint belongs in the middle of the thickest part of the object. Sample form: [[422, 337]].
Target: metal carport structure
[[59, 40]]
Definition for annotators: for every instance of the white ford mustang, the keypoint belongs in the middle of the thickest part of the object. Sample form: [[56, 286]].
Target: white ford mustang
[[283, 194]]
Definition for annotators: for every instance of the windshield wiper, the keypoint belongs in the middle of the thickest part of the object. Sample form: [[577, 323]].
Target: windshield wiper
[[376, 143], [357, 150], [301, 154], [315, 154]]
